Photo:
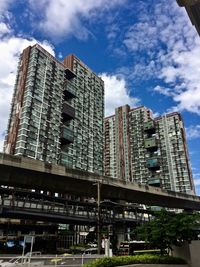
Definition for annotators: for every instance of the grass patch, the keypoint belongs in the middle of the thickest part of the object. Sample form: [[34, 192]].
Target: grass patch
[[137, 259]]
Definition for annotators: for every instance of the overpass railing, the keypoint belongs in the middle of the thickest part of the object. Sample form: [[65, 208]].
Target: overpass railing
[[10, 204]]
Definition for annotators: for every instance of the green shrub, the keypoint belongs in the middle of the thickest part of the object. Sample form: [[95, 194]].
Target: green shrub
[[126, 260]]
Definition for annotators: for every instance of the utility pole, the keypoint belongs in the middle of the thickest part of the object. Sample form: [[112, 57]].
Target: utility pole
[[99, 217]]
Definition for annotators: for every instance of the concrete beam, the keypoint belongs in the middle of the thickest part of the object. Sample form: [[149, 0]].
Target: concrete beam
[[28, 173], [45, 216]]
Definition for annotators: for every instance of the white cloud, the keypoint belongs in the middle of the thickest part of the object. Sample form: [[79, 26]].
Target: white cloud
[[171, 49], [116, 93], [164, 91], [61, 17], [189, 100], [4, 29], [112, 31], [1, 144], [138, 37], [60, 55], [4, 4], [11, 47], [156, 114], [197, 180], [193, 131]]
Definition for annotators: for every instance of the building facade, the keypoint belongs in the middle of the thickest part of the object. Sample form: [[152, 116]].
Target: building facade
[[87, 126], [150, 151], [193, 9], [52, 118], [176, 174]]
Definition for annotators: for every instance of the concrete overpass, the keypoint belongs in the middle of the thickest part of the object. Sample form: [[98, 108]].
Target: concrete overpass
[[19, 204], [28, 173]]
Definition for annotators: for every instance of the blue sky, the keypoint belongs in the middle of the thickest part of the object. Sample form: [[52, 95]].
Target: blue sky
[[146, 51]]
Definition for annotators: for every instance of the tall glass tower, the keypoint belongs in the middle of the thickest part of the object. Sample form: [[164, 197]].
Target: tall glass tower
[[56, 112], [149, 151]]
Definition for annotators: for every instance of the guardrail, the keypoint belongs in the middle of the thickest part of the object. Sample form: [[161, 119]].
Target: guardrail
[[48, 207], [48, 261]]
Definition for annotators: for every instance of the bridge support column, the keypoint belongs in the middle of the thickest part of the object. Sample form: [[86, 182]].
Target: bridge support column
[[120, 232], [99, 217]]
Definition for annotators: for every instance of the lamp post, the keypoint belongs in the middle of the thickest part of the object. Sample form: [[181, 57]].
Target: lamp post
[[98, 217]]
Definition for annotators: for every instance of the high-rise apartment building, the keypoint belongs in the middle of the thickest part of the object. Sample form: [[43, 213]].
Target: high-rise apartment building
[[87, 126], [193, 9], [56, 111], [150, 151]]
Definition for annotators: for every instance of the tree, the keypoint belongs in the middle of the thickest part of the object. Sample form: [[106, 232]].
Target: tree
[[167, 229]]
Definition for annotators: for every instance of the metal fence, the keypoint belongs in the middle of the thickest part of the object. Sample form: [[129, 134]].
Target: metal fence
[[48, 261]]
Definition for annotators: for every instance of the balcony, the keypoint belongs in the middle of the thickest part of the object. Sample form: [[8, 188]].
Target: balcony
[[69, 74], [153, 163], [151, 143], [67, 135], [154, 182], [66, 160], [149, 127], [69, 90], [68, 112]]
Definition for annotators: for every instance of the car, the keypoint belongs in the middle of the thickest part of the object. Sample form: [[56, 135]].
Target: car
[[33, 254], [92, 244], [90, 251]]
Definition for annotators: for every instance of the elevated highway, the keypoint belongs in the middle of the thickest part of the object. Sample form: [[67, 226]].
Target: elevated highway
[[32, 174], [19, 204]]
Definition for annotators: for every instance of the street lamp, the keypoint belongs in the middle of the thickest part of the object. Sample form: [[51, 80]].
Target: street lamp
[[98, 184], [98, 217]]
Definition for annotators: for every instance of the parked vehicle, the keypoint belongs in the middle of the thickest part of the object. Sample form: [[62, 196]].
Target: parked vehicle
[[136, 247], [92, 244], [33, 254], [90, 251]]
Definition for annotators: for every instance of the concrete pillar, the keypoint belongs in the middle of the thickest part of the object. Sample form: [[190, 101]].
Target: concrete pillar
[[182, 252], [189, 252], [195, 253], [107, 247], [120, 232]]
